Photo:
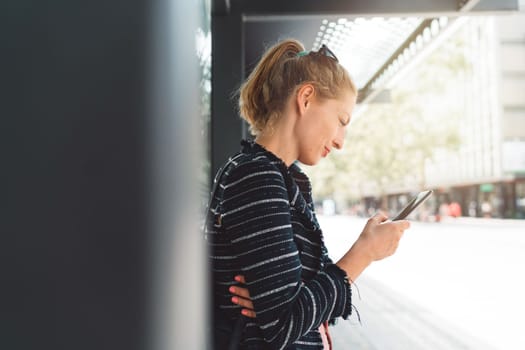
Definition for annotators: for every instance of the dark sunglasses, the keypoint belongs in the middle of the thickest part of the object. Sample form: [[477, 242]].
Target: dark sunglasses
[[324, 50]]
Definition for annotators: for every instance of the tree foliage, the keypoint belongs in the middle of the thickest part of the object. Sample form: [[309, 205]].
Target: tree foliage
[[389, 145]]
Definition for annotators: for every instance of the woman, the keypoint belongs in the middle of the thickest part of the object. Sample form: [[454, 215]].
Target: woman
[[262, 228]]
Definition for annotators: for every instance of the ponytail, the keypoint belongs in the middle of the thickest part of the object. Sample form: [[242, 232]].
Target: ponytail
[[282, 69]]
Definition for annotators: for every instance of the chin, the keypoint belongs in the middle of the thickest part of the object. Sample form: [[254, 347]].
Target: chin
[[310, 162], [310, 158]]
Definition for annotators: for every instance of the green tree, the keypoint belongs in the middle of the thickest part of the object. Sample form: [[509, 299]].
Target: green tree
[[389, 145]]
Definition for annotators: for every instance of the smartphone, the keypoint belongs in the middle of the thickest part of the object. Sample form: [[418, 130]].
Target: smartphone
[[412, 205]]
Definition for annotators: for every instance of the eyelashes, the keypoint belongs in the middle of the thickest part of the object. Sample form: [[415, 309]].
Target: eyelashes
[[343, 122]]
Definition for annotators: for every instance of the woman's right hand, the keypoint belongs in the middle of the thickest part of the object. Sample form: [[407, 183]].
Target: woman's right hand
[[241, 297], [379, 239]]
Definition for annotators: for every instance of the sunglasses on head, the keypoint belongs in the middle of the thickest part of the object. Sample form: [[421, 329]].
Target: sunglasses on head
[[324, 50]]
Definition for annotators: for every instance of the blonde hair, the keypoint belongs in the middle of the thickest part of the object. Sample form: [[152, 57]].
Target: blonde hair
[[279, 73]]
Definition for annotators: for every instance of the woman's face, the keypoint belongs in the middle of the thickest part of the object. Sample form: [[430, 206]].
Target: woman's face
[[324, 127]]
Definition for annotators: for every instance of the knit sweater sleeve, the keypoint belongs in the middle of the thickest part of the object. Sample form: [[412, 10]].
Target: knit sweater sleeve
[[256, 215]]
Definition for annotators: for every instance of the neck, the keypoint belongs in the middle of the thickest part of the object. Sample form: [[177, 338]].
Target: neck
[[280, 142]]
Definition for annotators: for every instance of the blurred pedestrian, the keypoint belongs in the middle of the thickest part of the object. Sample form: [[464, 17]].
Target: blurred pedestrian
[[443, 210], [454, 209], [473, 209], [486, 209]]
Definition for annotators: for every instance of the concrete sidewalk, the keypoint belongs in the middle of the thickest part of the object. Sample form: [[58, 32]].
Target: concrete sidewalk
[[455, 284], [390, 321], [466, 220]]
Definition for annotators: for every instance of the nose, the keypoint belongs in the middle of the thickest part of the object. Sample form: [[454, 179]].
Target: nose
[[339, 140]]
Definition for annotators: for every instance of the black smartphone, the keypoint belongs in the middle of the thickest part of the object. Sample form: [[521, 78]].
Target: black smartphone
[[412, 205]]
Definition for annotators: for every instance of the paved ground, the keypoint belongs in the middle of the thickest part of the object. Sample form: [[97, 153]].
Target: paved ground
[[458, 284]]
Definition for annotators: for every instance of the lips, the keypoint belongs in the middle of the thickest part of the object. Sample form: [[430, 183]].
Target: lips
[[326, 151]]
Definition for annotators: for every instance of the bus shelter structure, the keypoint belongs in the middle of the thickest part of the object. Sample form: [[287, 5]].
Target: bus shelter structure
[[242, 29]]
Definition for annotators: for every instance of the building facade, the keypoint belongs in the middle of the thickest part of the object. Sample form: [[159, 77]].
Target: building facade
[[487, 175]]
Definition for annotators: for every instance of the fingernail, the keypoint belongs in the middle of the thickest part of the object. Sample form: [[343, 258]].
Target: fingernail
[[232, 289], [237, 278], [235, 300], [244, 312]]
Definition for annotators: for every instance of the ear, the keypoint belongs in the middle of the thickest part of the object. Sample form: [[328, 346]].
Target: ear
[[304, 97]]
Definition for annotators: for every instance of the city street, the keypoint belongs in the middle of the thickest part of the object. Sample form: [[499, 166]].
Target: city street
[[457, 284]]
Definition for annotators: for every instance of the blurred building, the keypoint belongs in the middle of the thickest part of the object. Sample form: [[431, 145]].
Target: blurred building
[[487, 175]]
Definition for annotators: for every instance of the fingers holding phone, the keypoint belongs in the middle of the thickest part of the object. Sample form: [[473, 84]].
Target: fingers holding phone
[[382, 236], [379, 239]]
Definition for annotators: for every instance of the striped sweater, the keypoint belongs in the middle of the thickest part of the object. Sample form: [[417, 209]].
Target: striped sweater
[[262, 225]]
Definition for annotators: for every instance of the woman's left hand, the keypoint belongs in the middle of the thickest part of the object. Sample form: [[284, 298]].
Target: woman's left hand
[[241, 297]]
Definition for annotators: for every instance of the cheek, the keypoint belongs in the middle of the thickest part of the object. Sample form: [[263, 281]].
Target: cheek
[[328, 130], [319, 130]]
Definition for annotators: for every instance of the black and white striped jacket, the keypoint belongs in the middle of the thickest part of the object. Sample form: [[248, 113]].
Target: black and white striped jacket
[[262, 225]]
